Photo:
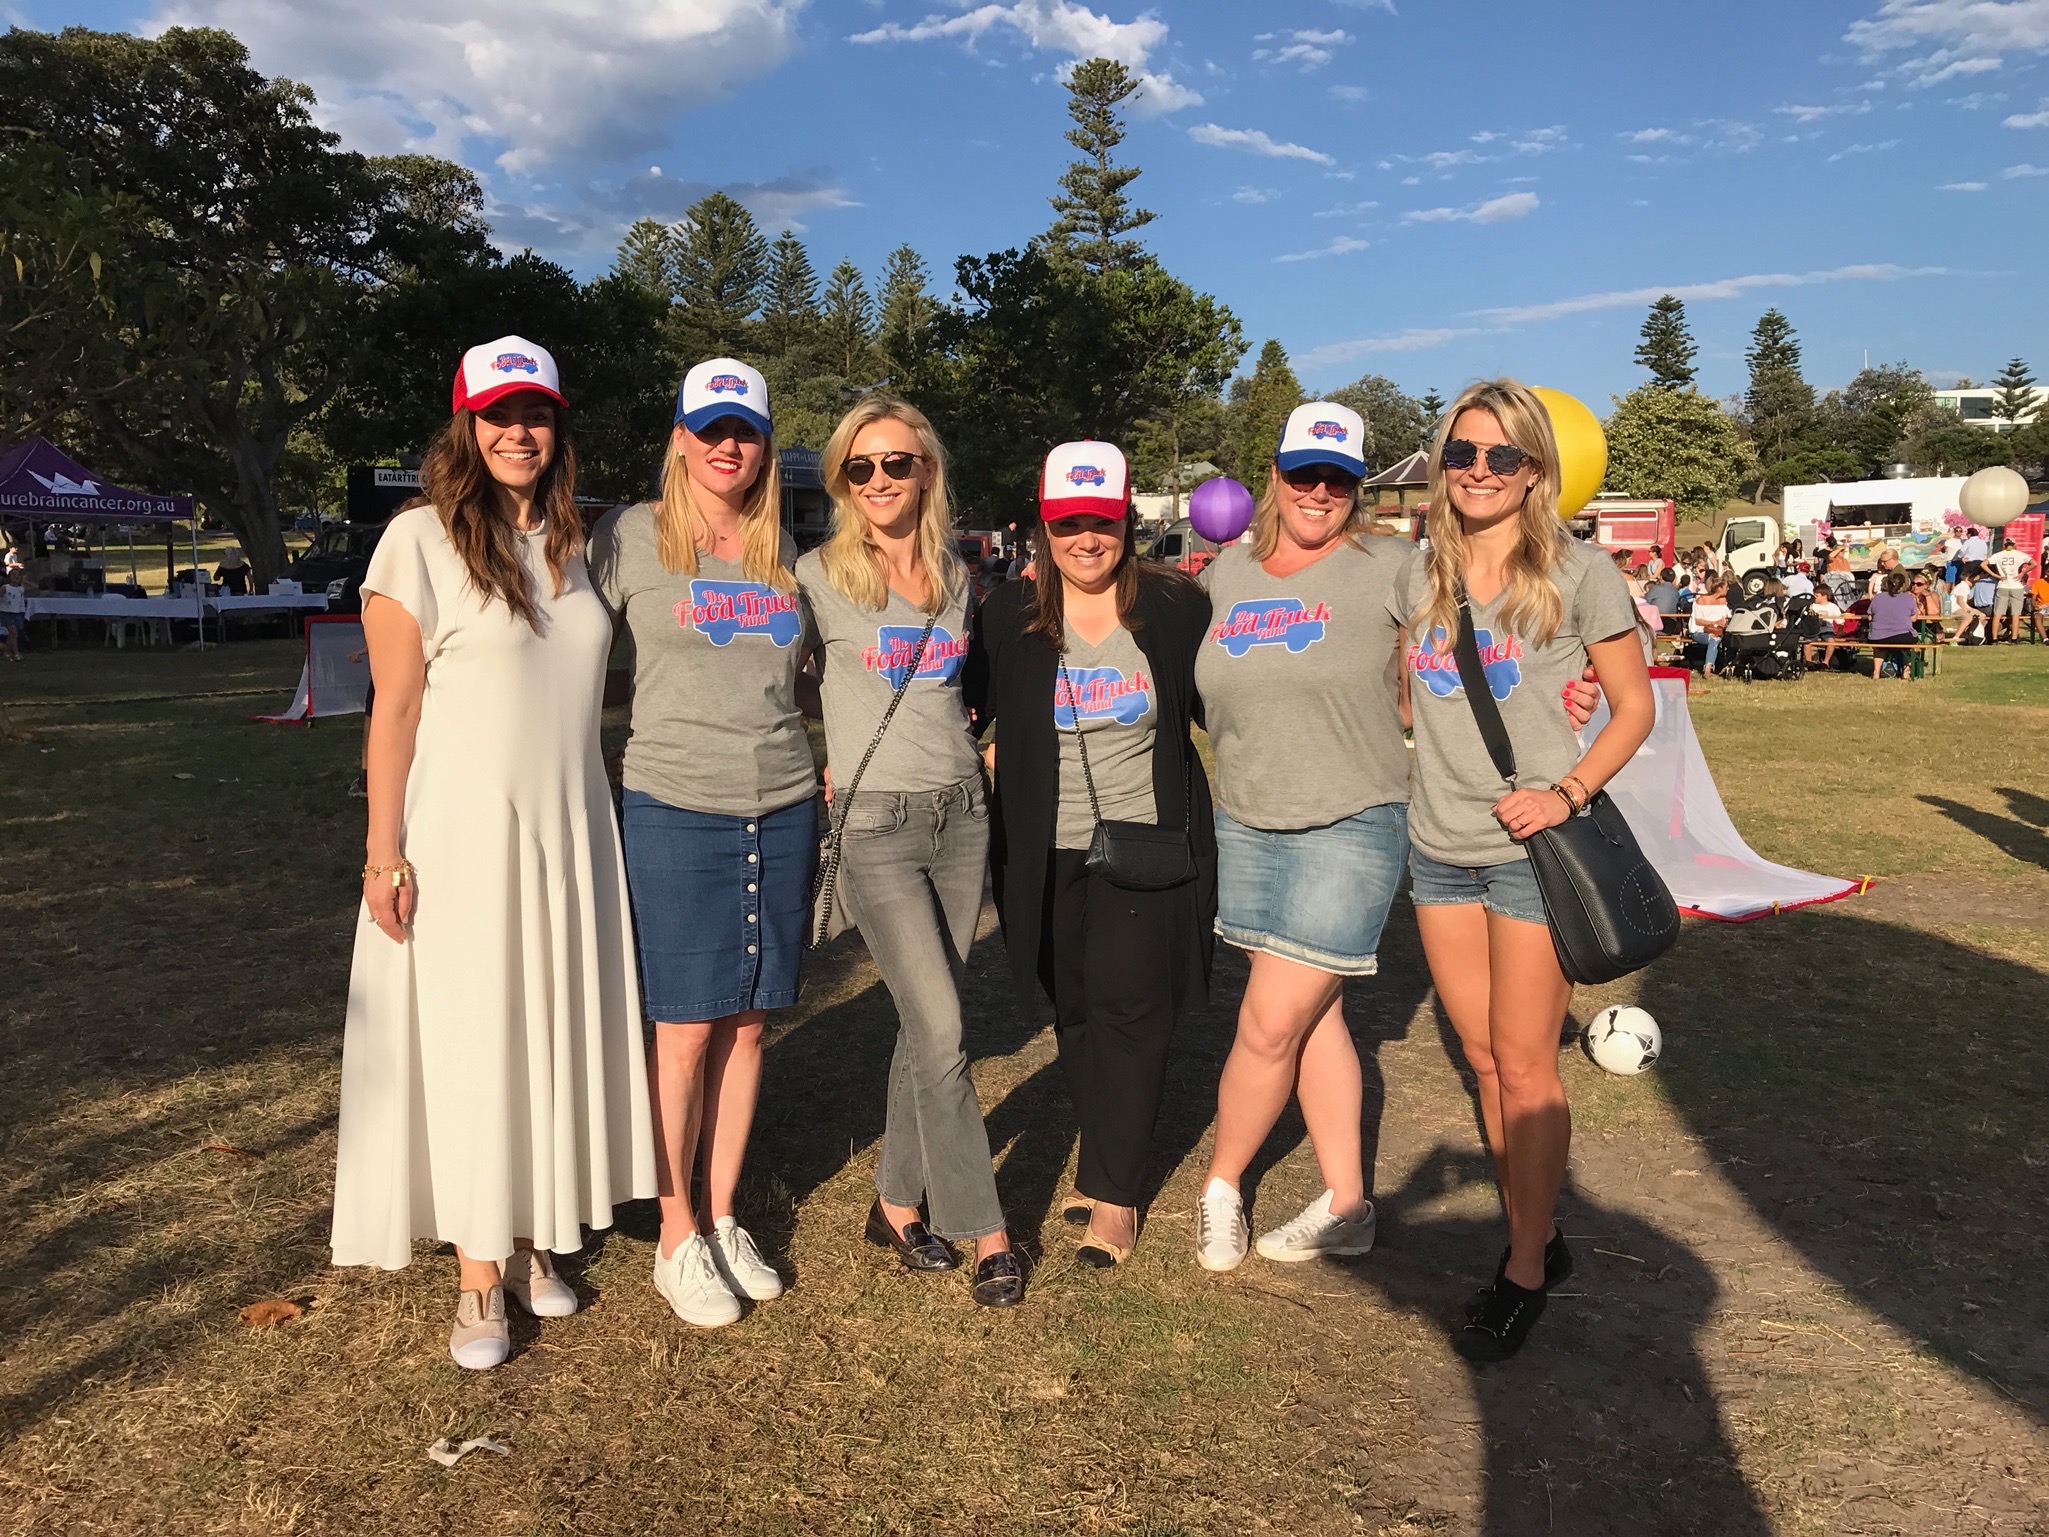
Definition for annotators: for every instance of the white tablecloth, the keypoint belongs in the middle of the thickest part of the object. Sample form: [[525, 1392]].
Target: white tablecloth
[[64, 607], [276, 602]]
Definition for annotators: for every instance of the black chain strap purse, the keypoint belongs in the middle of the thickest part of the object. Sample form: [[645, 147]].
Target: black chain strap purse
[[1609, 911], [1134, 855]]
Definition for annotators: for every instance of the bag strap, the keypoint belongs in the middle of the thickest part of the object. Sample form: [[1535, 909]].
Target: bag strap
[[1081, 742], [1480, 695], [895, 699]]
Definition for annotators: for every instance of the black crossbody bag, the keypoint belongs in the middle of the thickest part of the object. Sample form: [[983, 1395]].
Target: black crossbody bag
[[831, 915], [1134, 855], [1609, 911]]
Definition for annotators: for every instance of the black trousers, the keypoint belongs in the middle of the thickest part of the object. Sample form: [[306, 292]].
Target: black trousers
[[1106, 958]]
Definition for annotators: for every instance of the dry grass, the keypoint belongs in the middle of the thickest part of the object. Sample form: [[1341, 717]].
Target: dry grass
[[1811, 1244]]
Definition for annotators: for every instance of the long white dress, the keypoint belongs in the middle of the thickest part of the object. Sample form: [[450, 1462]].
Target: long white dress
[[493, 1079]]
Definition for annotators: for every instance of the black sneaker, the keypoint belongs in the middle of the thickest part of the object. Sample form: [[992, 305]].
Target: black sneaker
[[1504, 1323], [1557, 1266]]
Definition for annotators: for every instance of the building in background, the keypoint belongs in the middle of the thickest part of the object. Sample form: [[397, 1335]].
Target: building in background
[[1980, 407]]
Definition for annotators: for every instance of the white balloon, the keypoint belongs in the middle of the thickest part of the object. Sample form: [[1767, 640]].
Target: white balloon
[[1994, 497]]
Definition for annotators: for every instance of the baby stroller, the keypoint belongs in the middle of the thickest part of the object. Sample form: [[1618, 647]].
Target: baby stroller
[[1761, 643]]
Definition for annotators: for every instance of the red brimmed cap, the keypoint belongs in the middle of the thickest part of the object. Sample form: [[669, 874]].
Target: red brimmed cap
[[504, 367], [1085, 479]]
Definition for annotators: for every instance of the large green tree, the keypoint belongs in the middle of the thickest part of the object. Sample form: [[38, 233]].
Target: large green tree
[[1676, 444], [647, 257], [1259, 411], [1877, 416], [847, 325], [1397, 424], [1667, 348], [1094, 213], [1779, 403], [721, 276], [906, 315], [789, 310], [2016, 398], [237, 249]]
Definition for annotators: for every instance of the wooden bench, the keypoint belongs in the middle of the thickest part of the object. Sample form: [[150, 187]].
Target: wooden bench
[[1927, 658]]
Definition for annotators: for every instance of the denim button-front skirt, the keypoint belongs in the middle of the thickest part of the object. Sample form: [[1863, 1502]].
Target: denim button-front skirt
[[1318, 895], [719, 905]]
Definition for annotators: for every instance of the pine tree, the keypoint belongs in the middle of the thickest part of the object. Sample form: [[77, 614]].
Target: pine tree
[[1433, 407], [1093, 211], [789, 312], [2016, 388], [1667, 349], [1779, 404], [721, 270], [907, 314], [847, 325], [1259, 412], [647, 257]]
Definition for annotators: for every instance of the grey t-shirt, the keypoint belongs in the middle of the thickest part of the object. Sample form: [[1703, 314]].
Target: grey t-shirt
[[1451, 816], [715, 659], [1109, 695], [866, 651], [1300, 682]]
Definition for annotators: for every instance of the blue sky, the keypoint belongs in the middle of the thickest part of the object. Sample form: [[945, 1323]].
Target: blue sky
[[1431, 189]]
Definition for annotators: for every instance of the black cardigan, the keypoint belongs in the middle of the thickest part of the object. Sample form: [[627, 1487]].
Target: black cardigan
[[1009, 679]]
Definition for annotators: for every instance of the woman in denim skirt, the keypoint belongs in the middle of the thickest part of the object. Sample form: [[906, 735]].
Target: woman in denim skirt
[[915, 839], [1542, 605], [720, 808]]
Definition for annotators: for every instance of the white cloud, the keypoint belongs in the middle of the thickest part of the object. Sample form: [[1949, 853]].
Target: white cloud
[[1416, 339], [1947, 38], [1257, 141], [1253, 195], [2030, 119], [2014, 171], [568, 79], [1812, 114], [1311, 49], [1863, 149], [1512, 205], [1657, 136], [1056, 26], [1962, 186], [1344, 245], [1721, 288], [1345, 210], [1975, 101], [1495, 148], [1349, 93]]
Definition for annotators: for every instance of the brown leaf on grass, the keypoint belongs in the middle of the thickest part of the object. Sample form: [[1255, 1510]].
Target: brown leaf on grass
[[269, 1313]]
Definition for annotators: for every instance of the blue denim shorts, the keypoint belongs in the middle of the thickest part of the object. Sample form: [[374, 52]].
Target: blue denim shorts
[[1318, 895], [1509, 888], [719, 905]]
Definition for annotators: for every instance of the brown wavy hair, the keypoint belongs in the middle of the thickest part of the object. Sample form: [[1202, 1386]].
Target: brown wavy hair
[[467, 500], [1049, 587]]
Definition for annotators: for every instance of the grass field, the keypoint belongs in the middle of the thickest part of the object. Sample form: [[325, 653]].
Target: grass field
[[1813, 1293]]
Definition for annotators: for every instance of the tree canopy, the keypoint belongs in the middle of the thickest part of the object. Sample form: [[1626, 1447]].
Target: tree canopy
[[1676, 444], [1667, 348]]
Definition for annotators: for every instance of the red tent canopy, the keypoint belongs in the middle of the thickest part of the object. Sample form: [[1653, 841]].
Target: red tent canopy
[[39, 480]]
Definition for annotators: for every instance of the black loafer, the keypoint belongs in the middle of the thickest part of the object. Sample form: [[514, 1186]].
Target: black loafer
[[917, 1246], [999, 1281], [1557, 1268]]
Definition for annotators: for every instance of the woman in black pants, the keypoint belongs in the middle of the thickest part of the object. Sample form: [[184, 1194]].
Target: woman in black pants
[[1089, 673]]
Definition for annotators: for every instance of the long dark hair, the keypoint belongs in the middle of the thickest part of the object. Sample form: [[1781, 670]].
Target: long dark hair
[[464, 494], [1049, 586]]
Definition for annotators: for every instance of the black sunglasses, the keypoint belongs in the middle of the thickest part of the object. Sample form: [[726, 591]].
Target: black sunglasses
[[1502, 458], [1309, 476], [860, 469]]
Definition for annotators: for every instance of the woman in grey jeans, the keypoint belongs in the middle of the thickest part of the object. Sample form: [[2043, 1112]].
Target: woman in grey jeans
[[917, 829]]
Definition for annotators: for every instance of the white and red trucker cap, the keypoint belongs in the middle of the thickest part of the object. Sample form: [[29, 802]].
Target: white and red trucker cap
[[1085, 479], [509, 364]]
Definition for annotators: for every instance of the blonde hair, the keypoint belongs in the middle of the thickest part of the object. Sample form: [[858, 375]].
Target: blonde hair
[[1534, 608], [680, 527], [852, 562], [1266, 515]]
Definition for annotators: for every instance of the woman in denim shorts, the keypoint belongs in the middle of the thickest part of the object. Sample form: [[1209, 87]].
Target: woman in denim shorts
[[1541, 605], [915, 844]]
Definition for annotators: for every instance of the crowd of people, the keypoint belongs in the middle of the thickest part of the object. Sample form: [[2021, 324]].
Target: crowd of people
[[519, 925]]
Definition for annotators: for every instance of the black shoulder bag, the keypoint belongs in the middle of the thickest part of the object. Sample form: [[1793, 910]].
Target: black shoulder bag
[[1609, 911], [830, 914], [1134, 855]]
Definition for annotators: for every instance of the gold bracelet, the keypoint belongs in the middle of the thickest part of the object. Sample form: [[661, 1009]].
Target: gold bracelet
[[400, 873], [1585, 795]]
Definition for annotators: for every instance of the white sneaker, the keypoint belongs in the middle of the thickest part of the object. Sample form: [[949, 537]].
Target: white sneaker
[[479, 1340], [530, 1280], [1220, 1230], [1316, 1234], [740, 1263], [692, 1284]]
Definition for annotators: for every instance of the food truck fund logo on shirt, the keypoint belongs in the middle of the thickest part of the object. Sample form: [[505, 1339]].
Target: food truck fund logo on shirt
[[894, 643], [1271, 622], [721, 610], [1436, 665], [1101, 693]]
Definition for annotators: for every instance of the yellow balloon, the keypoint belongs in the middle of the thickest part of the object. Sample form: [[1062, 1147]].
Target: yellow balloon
[[1582, 449]]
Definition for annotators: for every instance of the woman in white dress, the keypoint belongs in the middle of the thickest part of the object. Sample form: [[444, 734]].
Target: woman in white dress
[[494, 1093]]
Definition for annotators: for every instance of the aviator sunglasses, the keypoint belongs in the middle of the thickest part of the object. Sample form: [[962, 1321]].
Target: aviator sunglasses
[[1502, 458], [860, 469], [1309, 476]]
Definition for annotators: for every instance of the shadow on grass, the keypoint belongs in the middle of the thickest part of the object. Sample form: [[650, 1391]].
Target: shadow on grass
[[2022, 839]]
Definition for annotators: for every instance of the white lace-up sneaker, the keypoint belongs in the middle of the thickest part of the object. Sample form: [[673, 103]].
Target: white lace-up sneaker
[[530, 1280], [480, 1340], [1220, 1230], [740, 1262], [693, 1286], [1316, 1234]]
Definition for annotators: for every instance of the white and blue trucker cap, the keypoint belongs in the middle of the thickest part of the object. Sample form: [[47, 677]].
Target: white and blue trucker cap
[[1323, 432], [723, 387]]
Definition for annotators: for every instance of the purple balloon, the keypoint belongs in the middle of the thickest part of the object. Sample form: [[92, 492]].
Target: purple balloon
[[1220, 509]]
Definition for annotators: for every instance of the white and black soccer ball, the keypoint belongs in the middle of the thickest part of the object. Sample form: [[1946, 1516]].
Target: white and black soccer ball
[[1622, 1039]]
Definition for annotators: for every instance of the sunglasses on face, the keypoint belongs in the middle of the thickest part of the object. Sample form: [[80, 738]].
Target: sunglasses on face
[[715, 433], [1082, 523], [1310, 476], [1502, 458], [860, 468]]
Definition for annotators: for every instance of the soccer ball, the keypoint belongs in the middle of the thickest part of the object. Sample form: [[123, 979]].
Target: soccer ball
[[1622, 1039]]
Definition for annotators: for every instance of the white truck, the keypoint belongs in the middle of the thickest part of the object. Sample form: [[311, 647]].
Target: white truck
[[1909, 516]]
